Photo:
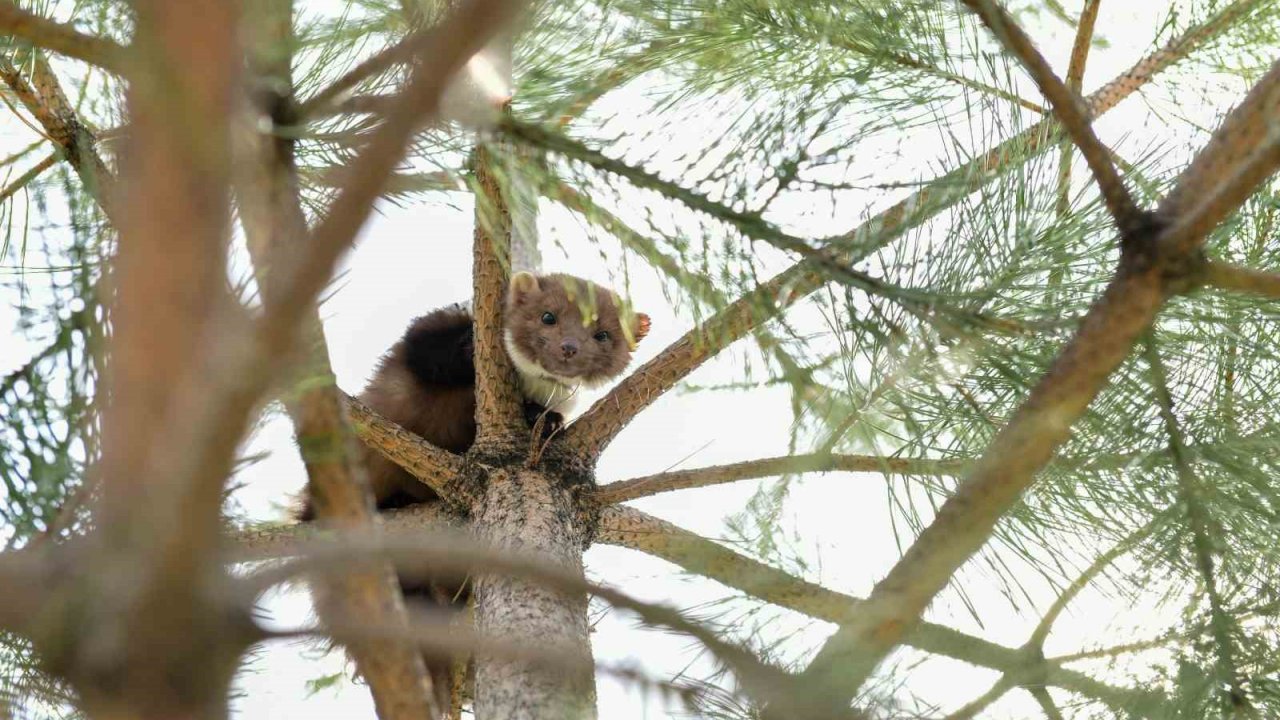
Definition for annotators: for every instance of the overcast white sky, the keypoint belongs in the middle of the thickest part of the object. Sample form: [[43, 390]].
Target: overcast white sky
[[411, 260]]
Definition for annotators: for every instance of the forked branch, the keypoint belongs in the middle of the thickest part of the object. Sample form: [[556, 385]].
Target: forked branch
[[1069, 109]]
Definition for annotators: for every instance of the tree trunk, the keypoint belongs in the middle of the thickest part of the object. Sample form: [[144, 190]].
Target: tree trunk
[[529, 511]]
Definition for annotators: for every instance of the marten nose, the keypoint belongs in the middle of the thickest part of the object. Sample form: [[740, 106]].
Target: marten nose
[[569, 347]]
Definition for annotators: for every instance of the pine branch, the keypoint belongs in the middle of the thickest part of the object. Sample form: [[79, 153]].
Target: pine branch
[[1067, 106], [461, 554], [1243, 147], [498, 416], [1151, 271], [1045, 626], [439, 53], [323, 103], [1234, 278], [30, 175], [608, 416], [1075, 84], [1045, 700], [636, 488], [1228, 170], [60, 38], [630, 528], [273, 542], [44, 99], [436, 468], [970, 710], [1191, 493], [338, 490]]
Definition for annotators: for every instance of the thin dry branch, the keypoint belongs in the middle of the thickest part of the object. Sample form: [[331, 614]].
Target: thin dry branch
[[1080, 47], [970, 710], [633, 489], [597, 427], [1070, 110], [1234, 278], [452, 640], [1075, 83], [630, 528], [44, 99], [1151, 271], [60, 38], [439, 53], [1045, 700], [322, 103], [337, 489]]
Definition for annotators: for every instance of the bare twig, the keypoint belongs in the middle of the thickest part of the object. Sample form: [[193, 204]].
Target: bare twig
[[401, 51], [1075, 84], [60, 38], [703, 477], [608, 416], [971, 709], [462, 554], [1045, 626], [1045, 701], [453, 640], [1069, 109]]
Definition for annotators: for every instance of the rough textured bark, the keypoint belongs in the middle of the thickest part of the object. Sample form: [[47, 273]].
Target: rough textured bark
[[44, 99], [530, 511]]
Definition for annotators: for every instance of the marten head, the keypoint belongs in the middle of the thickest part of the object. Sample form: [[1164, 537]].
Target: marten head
[[570, 330]]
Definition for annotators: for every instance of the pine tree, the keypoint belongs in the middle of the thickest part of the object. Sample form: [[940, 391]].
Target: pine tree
[[1046, 334]]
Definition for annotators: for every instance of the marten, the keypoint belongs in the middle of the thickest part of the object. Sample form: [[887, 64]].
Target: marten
[[562, 334]]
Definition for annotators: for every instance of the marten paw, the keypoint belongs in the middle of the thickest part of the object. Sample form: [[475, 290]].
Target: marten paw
[[550, 424]]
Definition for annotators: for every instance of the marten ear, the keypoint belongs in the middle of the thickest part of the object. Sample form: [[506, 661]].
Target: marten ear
[[641, 329], [523, 284]]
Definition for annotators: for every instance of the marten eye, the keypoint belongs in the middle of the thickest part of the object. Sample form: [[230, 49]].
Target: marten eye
[[601, 336], [548, 318]]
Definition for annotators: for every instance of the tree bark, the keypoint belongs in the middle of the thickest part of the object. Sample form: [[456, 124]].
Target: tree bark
[[530, 511]]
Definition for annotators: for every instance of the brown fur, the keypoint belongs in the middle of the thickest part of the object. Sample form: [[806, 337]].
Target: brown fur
[[426, 384]]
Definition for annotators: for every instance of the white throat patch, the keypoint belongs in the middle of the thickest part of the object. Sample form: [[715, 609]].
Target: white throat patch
[[538, 385]]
